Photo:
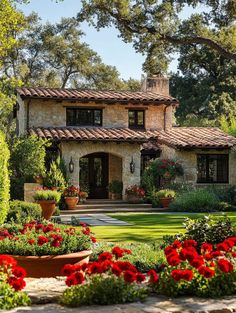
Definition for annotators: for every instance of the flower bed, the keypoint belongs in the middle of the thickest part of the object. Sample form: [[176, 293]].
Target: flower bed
[[11, 282]]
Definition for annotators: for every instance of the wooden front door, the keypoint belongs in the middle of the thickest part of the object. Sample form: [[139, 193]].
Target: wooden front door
[[95, 174]]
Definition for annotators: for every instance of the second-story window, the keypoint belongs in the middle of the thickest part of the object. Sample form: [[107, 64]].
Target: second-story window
[[136, 119], [83, 117]]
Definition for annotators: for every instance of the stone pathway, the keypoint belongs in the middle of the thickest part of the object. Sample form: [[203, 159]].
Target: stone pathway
[[45, 292], [93, 219]]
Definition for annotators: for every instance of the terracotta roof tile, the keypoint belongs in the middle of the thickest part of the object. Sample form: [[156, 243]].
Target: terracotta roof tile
[[177, 137], [95, 95]]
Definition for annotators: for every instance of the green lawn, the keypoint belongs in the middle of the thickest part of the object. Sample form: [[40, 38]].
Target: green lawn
[[145, 226]]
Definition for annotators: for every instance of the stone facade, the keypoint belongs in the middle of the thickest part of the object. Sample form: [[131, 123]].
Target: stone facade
[[120, 156], [47, 113], [188, 160]]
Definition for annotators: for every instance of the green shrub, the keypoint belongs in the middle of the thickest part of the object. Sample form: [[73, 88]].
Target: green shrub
[[116, 187], [22, 212], [166, 193], [103, 290], [55, 176], [47, 195], [143, 256], [199, 200], [211, 229], [180, 187], [226, 194], [10, 299], [4, 179]]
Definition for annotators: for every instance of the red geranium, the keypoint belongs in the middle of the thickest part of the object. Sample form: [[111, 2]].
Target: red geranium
[[42, 240], [225, 265], [206, 272], [153, 276], [129, 276]]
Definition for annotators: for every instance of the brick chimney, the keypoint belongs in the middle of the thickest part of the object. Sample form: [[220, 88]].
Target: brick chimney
[[157, 84]]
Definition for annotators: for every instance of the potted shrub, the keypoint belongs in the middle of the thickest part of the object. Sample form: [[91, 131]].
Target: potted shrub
[[166, 196], [71, 195], [47, 200], [115, 187], [42, 249], [83, 195], [134, 194]]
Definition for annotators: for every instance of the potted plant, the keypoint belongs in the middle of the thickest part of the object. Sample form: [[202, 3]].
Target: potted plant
[[71, 195], [42, 249], [83, 195], [166, 196], [47, 200], [115, 187], [134, 194]]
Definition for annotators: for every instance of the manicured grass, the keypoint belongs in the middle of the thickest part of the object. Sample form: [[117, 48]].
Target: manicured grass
[[145, 226]]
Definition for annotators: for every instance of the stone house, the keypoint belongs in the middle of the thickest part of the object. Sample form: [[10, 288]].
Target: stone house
[[111, 135]]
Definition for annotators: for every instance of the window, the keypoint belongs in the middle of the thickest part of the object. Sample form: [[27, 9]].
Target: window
[[136, 119], [213, 168], [83, 117]]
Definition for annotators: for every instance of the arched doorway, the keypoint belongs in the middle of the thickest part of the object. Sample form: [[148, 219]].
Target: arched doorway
[[94, 175]]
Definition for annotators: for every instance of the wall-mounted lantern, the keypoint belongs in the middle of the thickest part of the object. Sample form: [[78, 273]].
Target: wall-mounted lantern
[[132, 166], [71, 166]]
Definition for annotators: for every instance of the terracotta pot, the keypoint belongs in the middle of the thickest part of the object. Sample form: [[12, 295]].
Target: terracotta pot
[[50, 265], [133, 199], [166, 201], [115, 196], [71, 202], [48, 208]]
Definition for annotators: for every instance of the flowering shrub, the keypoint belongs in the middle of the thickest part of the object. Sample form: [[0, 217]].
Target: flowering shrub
[[11, 282], [45, 238], [168, 169], [135, 191], [71, 191], [106, 281], [47, 194], [210, 272]]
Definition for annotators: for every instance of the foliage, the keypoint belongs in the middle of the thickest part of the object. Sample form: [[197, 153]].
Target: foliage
[[209, 229], [199, 200], [144, 256], [4, 178], [27, 161], [46, 194], [109, 281], [116, 186], [55, 177], [228, 125], [208, 273], [166, 168], [135, 190], [71, 191], [44, 238], [166, 193], [158, 29], [180, 187], [11, 282], [22, 212], [154, 198]]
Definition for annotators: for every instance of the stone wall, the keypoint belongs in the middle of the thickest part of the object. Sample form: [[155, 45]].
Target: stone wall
[[188, 159], [121, 154], [29, 191], [49, 113]]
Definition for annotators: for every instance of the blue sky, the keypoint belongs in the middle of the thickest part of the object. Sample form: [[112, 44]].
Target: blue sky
[[105, 42]]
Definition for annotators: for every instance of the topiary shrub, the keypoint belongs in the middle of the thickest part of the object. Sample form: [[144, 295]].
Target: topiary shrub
[[23, 212], [4, 178], [199, 200]]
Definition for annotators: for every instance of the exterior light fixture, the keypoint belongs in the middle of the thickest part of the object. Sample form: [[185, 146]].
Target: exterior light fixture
[[132, 166], [71, 166]]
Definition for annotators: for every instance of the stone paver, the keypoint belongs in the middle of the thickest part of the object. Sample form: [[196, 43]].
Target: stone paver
[[45, 292]]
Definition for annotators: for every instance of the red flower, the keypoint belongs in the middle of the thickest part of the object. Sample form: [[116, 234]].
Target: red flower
[[93, 239], [42, 240], [176, 275], [105, 256], [183, 254], [95, 268], [168, 250], [129, 276], [116, 270], [84, 266], [225, 266], [6, 260], [233, 254], [176, 244], [31, 241], [208, 257], [16, 283], [216, 254], [71, 280], [197, 262], [206, 272], [79, 278], [207, 247], [187, 275], [68, 269], [126, 266], [118, 252], [173, 260], [222, 247], [189, 243], [153, 276], [19, 272], [48, 228], [140, 277]]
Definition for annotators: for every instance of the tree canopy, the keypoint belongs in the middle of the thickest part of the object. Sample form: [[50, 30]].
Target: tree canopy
[[156, 28]]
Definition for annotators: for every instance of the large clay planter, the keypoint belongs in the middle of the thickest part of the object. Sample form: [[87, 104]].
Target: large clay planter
[[166, 201], [48, 208], [50, 265], [71, 202], [133, 199]]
